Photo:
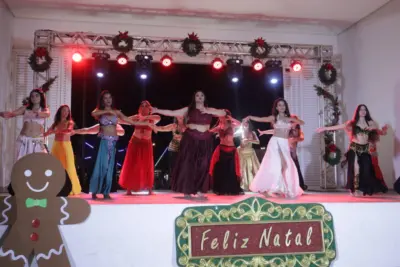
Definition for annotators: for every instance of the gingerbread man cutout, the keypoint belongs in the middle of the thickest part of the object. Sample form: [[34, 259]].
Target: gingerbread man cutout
[[34, 213]]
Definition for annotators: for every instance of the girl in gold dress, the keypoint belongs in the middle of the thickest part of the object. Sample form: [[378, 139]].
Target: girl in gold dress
[[249, 163]]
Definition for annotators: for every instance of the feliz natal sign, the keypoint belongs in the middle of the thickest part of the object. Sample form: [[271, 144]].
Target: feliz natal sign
[[255, 232]]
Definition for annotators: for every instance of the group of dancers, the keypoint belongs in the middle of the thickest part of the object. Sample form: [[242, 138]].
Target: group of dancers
[[195, 166]]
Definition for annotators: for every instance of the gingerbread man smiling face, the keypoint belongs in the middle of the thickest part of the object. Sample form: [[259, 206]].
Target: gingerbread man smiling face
[[35, 212]]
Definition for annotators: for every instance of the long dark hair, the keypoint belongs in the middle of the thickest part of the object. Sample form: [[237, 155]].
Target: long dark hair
[[28, 102], [192, 105], [42, 92], [275, 112], [57, 117], [100, 103], [373, 135]]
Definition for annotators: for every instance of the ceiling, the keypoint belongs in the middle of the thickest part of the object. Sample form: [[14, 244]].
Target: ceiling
[[323, 16]]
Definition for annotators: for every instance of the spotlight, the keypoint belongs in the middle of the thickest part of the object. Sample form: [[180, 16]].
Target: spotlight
[[234, 69], [296, 66], [273, 71], [257, 65], [122, 59], [217, 63], [166, 61], [143, 66], [77, 57], [100, 67]]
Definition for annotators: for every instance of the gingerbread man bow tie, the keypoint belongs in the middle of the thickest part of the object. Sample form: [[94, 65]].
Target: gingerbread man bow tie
[[30, 202]]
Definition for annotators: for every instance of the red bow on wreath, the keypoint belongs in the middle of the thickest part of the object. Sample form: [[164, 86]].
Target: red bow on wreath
[[260, 41], [332, 148], [123, 35], [329, 66], [40, 52], [193, 36]]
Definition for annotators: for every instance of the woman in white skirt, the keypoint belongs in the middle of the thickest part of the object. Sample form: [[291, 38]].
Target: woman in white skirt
[[278, 175]]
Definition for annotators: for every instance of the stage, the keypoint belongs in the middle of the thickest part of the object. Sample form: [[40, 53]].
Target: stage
[[138, 230]]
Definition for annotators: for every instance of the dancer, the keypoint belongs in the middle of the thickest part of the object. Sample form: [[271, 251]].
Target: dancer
[[177, 128], [101, 180], [190, 175], [225, 163], [34, 112], [295, 135], [249, 163], [362, 130], [278, 174], [137, 172], [62, 148]]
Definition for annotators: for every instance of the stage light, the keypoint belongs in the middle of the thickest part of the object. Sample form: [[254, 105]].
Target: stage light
[[77, 57], [273, 69], [296, 66], [234, 69], [166, 61], [217, 63], [100, 66], [257, 65], [143, 66], [122, 59]]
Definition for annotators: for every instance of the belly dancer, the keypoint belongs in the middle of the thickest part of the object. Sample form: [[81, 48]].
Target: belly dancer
[[190, 175]]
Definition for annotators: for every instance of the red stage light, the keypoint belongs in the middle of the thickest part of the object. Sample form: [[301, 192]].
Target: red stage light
[[77, 57], [122, 59], [166, 61], [217, 63], [257, 65], [296, 66]]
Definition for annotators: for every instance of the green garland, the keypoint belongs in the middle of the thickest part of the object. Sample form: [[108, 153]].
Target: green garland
[[191, 45], [122, 37], [332, 153], [327, 74]]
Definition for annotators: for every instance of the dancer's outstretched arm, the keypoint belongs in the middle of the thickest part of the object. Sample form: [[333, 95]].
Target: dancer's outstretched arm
[[11, 114], [170, 113], [333, 128], [268, 119]]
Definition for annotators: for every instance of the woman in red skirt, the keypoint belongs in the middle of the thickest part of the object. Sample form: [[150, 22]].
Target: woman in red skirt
[[137, 172]]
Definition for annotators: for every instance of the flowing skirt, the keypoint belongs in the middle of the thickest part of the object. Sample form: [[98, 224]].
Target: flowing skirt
[[28, 145], [277, 173], [138, 169], [102, 176], [225, 171], [249, 165], [190, 174], [361, 173], [62, 150]]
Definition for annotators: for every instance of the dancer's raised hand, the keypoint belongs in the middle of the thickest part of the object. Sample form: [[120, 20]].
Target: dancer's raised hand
[[320, 130]]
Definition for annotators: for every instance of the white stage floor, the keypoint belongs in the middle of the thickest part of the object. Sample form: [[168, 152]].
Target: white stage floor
[[121, 233]]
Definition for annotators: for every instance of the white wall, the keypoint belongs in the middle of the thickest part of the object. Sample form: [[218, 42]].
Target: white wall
[[370, 54], [6, 20]]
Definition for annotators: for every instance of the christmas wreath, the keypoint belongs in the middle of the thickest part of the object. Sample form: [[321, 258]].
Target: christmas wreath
[[192, 45], [122, 42], [327, 74], [39, 54], [259, 48], [332, 154]]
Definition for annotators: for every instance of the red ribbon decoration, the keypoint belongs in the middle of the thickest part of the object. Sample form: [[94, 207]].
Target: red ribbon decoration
[[193, 36], [40, 52], [260, 42], [123, 35], [332, 148], [329, 66]]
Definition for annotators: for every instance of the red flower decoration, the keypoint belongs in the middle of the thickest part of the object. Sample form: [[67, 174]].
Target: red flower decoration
[[193, 36], [329, 66], [40, 52], [332, 148], [123, 35], [260, 41]]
